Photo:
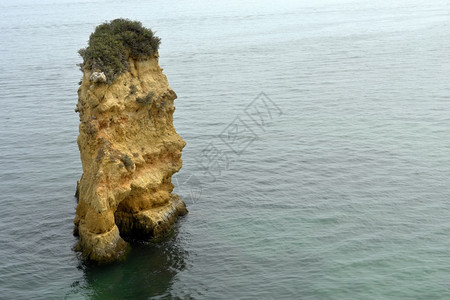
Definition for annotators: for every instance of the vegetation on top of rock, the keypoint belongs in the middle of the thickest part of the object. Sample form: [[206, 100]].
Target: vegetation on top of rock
[[112, 43]]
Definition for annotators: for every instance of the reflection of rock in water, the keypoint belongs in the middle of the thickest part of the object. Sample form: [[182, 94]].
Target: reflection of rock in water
[[129, 152], [148, 271]]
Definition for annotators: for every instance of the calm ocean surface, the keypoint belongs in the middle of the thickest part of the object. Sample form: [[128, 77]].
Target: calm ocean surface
[[333, 184]]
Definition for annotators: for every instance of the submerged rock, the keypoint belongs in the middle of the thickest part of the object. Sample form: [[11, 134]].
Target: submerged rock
[[129, 151]]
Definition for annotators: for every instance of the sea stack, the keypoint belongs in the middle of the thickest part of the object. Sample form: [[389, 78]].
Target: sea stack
[[128, 145]]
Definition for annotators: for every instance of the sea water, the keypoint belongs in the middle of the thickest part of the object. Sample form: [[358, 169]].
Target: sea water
[[317, 163]]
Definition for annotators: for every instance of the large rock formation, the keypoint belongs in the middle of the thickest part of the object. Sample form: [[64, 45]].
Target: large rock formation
[[129, 151]]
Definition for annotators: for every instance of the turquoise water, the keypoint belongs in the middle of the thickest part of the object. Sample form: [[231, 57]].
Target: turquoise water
[[332, 184]]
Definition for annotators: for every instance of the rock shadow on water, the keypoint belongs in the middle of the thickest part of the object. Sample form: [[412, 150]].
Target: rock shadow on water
[[147, 272]]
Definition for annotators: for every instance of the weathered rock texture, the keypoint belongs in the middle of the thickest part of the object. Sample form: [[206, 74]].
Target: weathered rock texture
[[129, 152]]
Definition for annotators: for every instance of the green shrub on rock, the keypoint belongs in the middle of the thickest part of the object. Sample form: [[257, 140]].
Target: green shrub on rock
[[145, 100], [126, 160], [112, 43]]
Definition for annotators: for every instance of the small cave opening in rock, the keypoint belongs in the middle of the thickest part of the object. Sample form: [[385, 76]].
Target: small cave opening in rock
[[133, 226]]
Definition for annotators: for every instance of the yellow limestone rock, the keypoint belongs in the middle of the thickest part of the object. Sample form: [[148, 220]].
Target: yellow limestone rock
[[129, 151]]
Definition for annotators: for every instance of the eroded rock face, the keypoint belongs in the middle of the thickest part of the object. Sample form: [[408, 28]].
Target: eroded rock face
[[97, 77], [129, 152]]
